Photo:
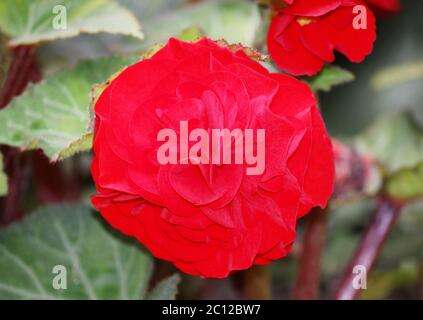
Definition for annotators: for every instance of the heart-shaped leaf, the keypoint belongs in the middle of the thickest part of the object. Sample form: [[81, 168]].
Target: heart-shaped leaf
[[65, 252], [29, 22], [54, 114]]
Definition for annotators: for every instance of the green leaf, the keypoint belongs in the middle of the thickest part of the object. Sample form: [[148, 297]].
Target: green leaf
[[396, 141], [165, 289], [32, 22], [329, 77], [406, 184], [98, 264], [54, 115], [3, 178], [190, 34]]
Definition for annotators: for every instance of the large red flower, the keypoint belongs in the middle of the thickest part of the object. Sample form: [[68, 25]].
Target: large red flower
[[208, 219], [304, 35]]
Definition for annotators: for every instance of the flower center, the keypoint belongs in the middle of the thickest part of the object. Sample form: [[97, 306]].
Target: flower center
[[303, 21]]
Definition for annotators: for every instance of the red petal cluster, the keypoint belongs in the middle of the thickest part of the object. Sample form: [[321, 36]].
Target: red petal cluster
[[304, 35], [208, 219]]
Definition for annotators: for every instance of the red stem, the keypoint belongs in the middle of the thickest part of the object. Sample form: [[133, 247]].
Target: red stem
[[308, 277], [369, 248], [18, 74], [22, 69], [52, 184]]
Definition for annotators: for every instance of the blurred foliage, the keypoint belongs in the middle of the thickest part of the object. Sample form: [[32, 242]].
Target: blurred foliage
[[400, 262], [353, 107], [406, 184], [405, 243], [395, 140], [382, 283]]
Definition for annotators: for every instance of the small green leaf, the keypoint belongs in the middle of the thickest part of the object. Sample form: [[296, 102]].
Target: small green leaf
[[329, 77], [54, 114], [406, 184], [3, 178], [29, 22], [97, 264], [190, 34], [165, 289]]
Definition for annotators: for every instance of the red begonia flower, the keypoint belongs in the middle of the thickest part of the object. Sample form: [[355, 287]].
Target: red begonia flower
[[303, 36], [208, 219]]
